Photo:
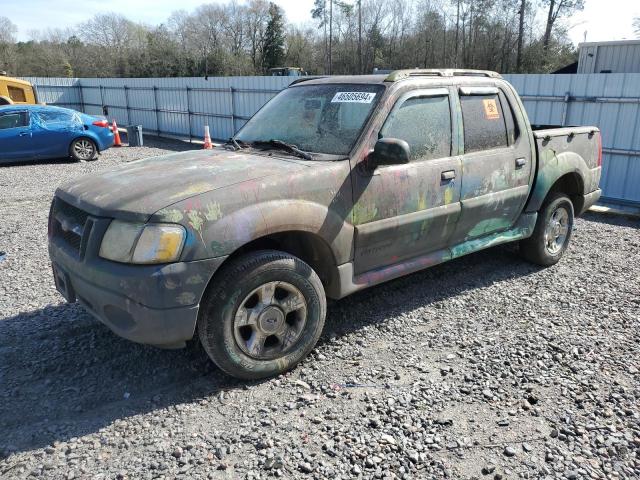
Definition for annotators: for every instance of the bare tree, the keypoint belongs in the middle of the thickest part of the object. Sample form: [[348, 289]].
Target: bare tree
[[557, 9]]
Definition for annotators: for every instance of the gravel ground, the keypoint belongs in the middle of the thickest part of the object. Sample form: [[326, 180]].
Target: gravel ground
[[484, 367]]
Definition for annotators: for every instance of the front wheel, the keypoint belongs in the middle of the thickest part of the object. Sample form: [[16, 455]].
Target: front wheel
[[552, 232], [263, 313], [83, 150]]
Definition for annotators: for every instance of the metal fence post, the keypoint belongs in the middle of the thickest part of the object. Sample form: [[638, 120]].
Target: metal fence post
[[81, 96], [189, 112], [126, 103], [155, 109], [233, 112], [565, 108], [105, 112]]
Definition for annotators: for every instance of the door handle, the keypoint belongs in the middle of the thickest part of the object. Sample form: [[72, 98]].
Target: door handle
[[24, 134], [520, 162], [448, 175]]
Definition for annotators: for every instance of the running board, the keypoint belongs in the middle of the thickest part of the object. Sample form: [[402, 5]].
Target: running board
[[347, 283]]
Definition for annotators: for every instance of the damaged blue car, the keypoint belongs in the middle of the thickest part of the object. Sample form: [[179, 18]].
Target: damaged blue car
[[36, 132]]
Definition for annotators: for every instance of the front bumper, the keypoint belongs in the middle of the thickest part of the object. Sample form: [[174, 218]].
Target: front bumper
[[153, 304]]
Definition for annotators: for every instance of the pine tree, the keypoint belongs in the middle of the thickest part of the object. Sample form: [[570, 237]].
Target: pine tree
[[273, 50]]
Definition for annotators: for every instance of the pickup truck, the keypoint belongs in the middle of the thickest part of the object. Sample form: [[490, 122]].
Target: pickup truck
[[335, 185]]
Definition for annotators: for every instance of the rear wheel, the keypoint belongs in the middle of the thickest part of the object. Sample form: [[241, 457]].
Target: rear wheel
[[262, 314], [552, 232], [83, 150]]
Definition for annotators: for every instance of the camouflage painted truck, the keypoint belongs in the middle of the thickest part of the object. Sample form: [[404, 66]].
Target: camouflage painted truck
[[335, 185]]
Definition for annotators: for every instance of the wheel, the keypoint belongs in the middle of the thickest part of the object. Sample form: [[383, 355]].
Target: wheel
[[83, 149], [262, 314], [552, 232]]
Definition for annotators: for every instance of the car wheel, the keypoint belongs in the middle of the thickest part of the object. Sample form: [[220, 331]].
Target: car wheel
[[83, 149], [552, 232], [262, 314]]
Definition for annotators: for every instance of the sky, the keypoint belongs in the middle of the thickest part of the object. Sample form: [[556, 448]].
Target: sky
[[601, 19]]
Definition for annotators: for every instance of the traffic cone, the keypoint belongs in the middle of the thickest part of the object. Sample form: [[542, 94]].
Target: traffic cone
[[207, 139], [116, 135]]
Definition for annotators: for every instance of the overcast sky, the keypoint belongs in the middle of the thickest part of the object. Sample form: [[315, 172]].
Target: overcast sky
[[601, 19]]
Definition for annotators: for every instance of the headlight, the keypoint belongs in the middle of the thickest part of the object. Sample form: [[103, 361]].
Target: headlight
[[138, 243]]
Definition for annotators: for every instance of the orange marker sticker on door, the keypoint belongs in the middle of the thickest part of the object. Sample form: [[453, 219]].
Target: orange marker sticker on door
[[491, 111]]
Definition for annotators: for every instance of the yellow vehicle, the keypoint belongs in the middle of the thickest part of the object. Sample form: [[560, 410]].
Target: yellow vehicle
[[14, 91]]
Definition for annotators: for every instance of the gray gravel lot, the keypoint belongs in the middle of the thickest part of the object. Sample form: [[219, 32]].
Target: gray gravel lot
[[484, 367]]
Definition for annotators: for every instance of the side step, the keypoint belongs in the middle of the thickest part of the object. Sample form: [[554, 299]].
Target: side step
[[348, 283]]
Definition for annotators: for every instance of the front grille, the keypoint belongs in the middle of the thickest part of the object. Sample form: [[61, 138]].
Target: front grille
[[68, 224]]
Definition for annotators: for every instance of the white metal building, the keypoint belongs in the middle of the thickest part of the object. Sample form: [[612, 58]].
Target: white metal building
[[609, 57]]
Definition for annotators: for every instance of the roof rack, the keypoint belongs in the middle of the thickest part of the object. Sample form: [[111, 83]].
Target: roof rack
[[439, 72]]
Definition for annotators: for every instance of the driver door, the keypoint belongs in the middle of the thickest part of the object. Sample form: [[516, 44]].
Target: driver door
[[408, 210]]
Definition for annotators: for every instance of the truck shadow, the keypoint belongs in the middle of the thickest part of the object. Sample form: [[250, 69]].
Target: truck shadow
[[65, 375]]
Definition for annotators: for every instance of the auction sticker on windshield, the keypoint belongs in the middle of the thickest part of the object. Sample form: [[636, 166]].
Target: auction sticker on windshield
[[353, 97]]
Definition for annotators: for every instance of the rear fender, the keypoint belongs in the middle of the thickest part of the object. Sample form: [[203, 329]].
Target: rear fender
[[551, 168]]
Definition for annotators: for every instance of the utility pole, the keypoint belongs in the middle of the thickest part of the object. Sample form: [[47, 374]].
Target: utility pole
[[360, 37]]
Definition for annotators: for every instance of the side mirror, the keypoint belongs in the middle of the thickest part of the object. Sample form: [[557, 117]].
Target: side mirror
[[388, 151]]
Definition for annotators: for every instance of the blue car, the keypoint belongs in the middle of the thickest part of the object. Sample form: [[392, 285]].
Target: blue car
[[35, 132]]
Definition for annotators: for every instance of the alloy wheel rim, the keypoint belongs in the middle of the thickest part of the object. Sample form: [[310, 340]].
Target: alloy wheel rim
[[270, 320], [83, 149], [557, 230]]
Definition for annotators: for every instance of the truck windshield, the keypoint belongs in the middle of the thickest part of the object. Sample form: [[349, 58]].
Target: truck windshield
[[315, 118]]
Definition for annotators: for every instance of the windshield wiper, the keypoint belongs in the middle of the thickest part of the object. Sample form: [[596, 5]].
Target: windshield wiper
[[284, 146]]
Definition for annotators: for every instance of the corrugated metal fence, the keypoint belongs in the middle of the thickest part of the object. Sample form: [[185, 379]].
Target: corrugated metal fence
[[179, 107], [172, 107]]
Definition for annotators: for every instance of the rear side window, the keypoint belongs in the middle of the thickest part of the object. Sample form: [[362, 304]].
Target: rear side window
[[17, 94], [425, 124], [484, 125], [55, 117], [14, 120]]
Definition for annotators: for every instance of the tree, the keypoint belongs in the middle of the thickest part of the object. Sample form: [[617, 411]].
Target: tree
[[521, 12], [557, 9], [7, 47], [274, 38], [7, 31], [636, 26]]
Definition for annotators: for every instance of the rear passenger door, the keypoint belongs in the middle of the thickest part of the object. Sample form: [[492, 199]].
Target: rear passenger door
[[496, 163], [53, 131], [403, 211]]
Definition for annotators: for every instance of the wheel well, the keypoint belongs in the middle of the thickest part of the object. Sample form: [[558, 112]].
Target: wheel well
[[308, 247], [88, 138], [572, 185]]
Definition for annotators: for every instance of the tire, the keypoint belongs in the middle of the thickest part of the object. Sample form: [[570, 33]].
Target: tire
[[83, 149], [262, 314], [552, 232]]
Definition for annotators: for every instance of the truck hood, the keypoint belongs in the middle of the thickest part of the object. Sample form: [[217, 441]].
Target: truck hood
[[139, 189]]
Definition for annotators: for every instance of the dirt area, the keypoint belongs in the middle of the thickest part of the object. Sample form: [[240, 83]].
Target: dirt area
[[484, 367]]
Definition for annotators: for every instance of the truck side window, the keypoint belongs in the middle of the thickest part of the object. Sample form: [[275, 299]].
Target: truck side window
[[484, 125], [425, 124], [16, 94]]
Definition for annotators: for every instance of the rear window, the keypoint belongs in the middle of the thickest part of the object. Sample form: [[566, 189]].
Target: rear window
[[484, 125], [55, 116], [17, 94]]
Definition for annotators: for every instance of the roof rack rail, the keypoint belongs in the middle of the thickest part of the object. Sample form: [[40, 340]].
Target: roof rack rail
[[439, 72]]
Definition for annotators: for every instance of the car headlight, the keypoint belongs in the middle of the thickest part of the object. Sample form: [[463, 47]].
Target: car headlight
[[139, 243]]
